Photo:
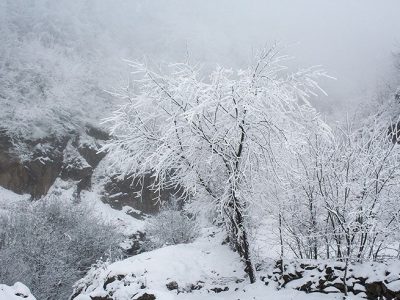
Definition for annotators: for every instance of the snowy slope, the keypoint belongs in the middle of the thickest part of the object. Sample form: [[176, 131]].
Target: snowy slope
[[205, 269], [126, 224], [16, 292], [8, 199]]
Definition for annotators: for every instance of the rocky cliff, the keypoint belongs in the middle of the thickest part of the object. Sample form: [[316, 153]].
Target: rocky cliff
[[32, 166]]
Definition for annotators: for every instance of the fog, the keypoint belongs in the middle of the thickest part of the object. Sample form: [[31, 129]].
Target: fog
[[353, 40]]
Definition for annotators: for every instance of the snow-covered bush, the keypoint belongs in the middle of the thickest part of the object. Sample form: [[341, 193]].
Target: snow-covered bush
[[170, 227], [49, 245]]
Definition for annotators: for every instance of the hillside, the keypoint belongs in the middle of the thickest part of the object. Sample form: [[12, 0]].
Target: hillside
[[188, 149]]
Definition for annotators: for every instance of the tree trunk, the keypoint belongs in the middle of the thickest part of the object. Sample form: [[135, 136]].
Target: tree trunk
[[241, 240], [281, 234], [238, 225], [346, 289]]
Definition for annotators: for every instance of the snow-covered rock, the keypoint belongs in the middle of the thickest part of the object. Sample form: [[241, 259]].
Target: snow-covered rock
[[16, 292], [370, 280]]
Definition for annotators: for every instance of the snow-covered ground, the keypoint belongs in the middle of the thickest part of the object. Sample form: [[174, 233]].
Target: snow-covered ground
[[126, 223], [204, 269], [16, 292], [9, 198]]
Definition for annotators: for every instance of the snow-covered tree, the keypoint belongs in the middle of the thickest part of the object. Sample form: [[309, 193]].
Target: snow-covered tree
[[219, 139], [56, 59], [342, 203]]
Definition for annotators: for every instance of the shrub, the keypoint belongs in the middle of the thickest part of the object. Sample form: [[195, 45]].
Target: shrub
[[170, 227], [48, 245]]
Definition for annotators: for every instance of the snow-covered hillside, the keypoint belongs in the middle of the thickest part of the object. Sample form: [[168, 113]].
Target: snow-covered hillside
[[50, 243], [8, 200], [175, 150], [205, 269]]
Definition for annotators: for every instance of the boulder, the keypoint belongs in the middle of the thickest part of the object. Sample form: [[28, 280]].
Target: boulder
[[146, 296], [173, 285], [220, 289], [375, 290], [32, 167]]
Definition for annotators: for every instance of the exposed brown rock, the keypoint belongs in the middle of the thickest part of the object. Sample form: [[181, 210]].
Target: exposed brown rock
[[71, 158], [36, 175]]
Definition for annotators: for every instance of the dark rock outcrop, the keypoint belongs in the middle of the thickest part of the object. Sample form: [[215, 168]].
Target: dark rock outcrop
[[134, 244], [72, 158], [146, 296], [120, 192], [35, 174], [44, 160], [173, 285]]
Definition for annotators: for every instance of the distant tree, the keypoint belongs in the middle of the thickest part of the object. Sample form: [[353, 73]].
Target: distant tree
[[38, 99], [220, 138]]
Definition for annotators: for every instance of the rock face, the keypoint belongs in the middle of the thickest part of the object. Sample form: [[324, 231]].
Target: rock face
[[69, 157], [35, 175], [72, 158], [75, 167]]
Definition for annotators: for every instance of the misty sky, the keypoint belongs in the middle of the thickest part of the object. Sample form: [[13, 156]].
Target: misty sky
[[354, 40]]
